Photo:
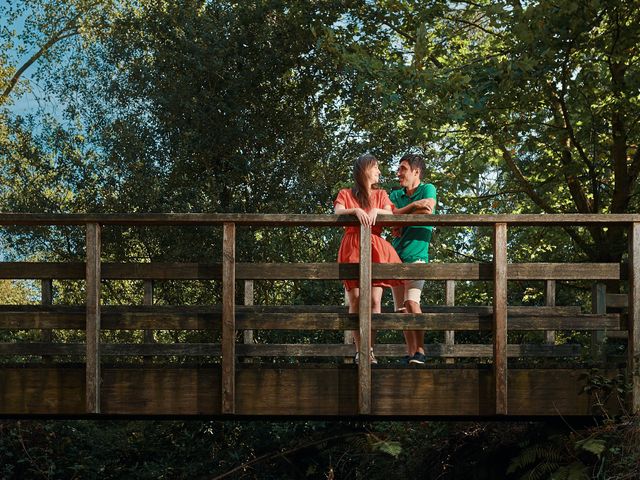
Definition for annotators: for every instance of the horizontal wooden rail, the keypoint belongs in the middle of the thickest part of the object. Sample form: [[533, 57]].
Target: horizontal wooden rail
[[314, 271], [197, 318], [283, 220], [459, 350]]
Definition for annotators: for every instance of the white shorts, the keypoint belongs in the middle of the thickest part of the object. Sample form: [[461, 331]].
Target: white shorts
[[413, 288]]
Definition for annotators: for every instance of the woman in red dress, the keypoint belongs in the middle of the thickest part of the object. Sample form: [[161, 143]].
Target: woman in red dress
[[366, 202]]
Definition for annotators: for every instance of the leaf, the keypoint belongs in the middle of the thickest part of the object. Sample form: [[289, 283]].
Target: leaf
[[391, 448], [593, 445]]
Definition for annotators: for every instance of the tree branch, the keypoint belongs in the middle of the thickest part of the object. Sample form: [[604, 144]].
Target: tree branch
[[52, 41]]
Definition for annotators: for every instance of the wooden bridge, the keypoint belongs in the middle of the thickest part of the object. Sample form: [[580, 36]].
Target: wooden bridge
[[37, 378]]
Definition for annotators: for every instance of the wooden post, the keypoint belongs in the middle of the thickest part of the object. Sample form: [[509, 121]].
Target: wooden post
[[633, 365], [550, 301], [46, 298], [247, 335], [93, 318], [450, 300], [228, 317], [148, 300], [599, 306], [500, 316], [364, 317]]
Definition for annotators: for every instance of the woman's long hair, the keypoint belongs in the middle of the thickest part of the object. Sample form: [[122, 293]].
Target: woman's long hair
[[361, 190]]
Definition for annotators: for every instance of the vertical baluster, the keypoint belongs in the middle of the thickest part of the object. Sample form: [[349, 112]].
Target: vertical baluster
[[598, 306], [93, 318], [228, 317], [364, 316], [500, 316], [450, 300], [148, 300], [247, 335], [46, 298], [550, 301]]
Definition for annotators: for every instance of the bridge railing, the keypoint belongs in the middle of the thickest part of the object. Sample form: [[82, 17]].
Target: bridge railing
[[229, 317]]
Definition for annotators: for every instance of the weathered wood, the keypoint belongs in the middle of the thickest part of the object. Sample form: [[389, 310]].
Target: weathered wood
[[46, 299], [228, 318], [450, 300], [248, 301], [315, 271], [284, 350], [633, 348], [299, 391], [148, 300], [617, 300], [160, 219], [550, 301], [92, 329], [196, 318], [364, 322], [500, 317], [598, 306]]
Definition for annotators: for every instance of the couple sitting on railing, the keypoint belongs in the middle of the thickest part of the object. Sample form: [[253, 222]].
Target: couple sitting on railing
[[366, 202]]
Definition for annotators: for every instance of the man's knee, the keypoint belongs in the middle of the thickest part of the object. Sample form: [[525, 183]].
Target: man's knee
[[411, 306]]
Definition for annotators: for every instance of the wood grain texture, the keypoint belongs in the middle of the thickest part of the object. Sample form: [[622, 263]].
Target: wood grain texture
[[550, 301], [228, 318], [633, 346], [92, 328], [316, 271], [500, 317], [298, 391], [364, 322]]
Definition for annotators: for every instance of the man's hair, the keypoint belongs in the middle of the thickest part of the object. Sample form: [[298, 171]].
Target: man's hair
[[415, 161]]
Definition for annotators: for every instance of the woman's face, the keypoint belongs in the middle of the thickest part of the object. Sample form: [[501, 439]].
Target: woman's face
[[372, 174]]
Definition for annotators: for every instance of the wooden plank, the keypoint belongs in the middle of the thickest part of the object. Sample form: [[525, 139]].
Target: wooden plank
[[315, 271], [364, 322], [617, 300], [93, 318], [598, 307], [450, 300], [147, 299], [550, 301], [500, 317], [633, 347], [194, 318], [228, 317], [247, 335], [284, 350], [46, 300], [300, 391], [159, 219]]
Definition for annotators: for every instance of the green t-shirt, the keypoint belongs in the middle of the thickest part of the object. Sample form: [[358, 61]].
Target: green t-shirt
[[413, 243]]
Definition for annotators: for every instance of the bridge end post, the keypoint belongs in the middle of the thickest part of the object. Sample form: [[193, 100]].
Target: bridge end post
[[364, 317], [228, 318], [633, 364]]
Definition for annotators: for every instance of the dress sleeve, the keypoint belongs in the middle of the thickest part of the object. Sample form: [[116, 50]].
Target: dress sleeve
[[342, 198]]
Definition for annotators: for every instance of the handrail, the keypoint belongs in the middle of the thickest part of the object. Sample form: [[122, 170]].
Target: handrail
[[269, 219]]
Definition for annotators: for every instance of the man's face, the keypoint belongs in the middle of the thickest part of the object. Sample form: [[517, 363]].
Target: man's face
[[407, 176]]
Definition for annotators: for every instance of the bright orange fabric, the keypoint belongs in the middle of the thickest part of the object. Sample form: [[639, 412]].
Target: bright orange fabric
[[381, 250]]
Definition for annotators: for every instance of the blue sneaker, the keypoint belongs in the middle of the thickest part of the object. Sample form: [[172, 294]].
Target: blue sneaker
[[418, 359], [406, 359]]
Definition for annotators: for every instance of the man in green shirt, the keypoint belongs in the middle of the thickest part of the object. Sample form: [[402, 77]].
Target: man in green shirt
[[412, 243]]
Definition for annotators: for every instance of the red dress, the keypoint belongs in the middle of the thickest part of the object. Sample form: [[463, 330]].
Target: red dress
[[381, 250]]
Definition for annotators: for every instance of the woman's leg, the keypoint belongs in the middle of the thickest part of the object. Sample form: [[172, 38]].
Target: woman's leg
[[354, 304], [376, 307]]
